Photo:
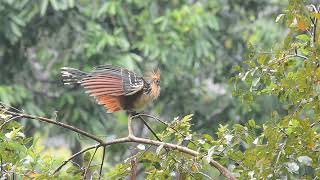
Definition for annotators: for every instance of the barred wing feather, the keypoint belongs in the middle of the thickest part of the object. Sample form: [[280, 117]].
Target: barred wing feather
[[113, 81], [109, 85]]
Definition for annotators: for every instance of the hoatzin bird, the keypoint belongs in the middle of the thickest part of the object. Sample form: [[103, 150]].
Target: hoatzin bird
[[116, 88]]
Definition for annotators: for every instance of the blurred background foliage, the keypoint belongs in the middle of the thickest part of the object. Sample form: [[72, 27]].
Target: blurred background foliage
[[195, 43]]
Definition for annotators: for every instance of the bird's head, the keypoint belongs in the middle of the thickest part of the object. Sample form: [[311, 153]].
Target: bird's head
[[154, 78]]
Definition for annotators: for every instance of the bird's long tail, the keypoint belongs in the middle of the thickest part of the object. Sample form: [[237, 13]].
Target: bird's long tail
[[72, 76]]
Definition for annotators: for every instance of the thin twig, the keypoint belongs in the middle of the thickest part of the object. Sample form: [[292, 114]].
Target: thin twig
[[9, 120], [150, 116], [88, 166], [314, 31], [76, 154], [291, 56], [4, 106], [279, 154], [102, 161], [302, 56], [314, 24], [204, 174], [150, 129], [314, 124], [104, 144], [1, 165]]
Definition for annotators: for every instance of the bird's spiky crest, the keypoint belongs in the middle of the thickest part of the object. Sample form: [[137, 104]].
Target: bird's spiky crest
[[155, 74]]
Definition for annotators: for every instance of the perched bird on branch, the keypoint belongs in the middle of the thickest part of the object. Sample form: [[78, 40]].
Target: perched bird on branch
[[116, 88]]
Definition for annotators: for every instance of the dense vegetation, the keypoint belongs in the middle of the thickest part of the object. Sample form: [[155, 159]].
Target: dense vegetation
[[269, 128]]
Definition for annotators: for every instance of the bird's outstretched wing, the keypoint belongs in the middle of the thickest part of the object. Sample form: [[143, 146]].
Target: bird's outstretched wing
[[113, 81], [109, 85]]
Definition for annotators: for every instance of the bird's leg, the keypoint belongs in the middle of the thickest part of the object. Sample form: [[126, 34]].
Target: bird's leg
[[130, 130]]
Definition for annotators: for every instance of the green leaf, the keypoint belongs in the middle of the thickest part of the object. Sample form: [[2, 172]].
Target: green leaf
[[303, 37], [15, 29], [255, 81], [208, 137], [279, 17], [316, 15], [252, 123], [86, 158], [112, 8], [262, 59], [119, 171], [187, 118], [293, 167], [305, 160], [71, 3], [103, 10], [54, 5], [159, 148], [123, 43], [74, 170], [136, 57], [44, 6], [305, 51], [294, 23], [18, 20], [141, 147], [157, 165]]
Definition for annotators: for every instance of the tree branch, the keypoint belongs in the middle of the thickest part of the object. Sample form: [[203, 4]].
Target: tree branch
[[130, 138], [50, 121]]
